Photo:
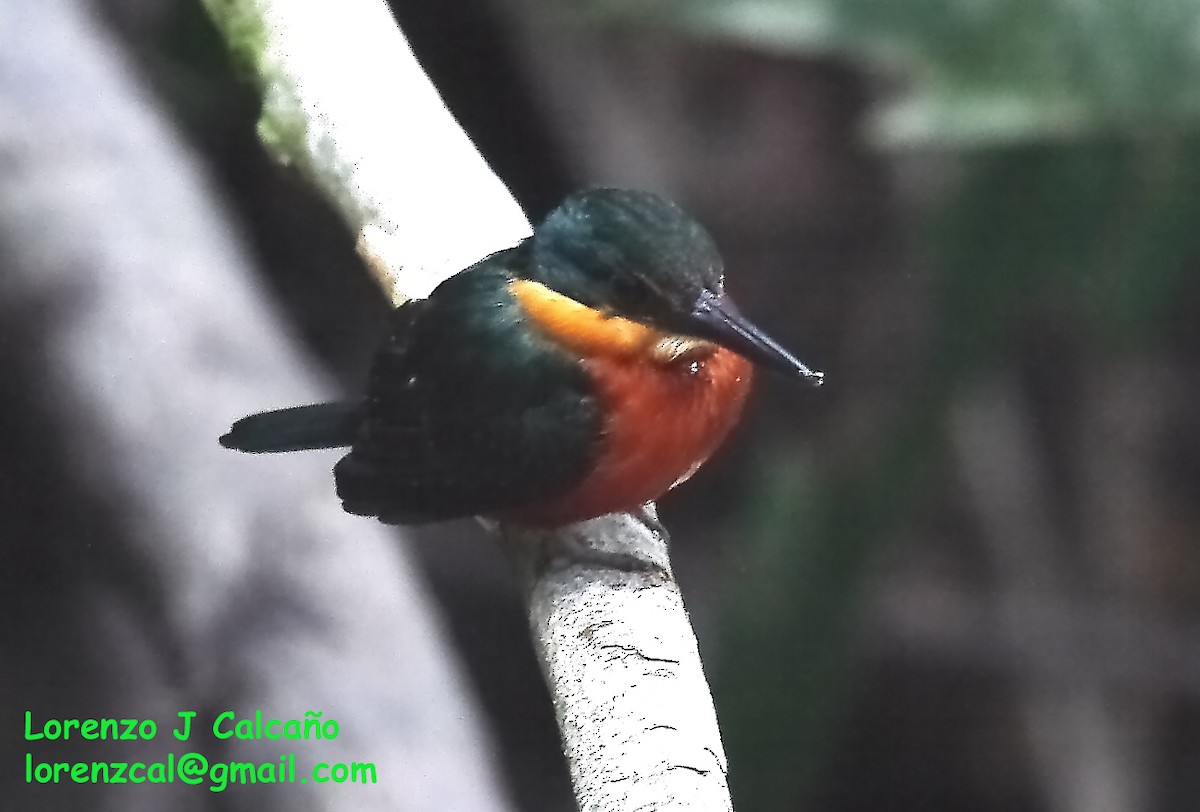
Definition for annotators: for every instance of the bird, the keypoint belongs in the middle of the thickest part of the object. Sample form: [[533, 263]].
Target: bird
[[587, 370]]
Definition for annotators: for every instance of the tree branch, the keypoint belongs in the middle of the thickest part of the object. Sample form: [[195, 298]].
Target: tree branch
[[620, 657], [346, 101]]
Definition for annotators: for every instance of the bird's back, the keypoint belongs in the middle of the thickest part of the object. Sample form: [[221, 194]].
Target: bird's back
[[469, 411]]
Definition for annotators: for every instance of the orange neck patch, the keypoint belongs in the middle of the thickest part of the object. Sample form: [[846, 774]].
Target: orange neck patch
[[668, 401], [582, 330]]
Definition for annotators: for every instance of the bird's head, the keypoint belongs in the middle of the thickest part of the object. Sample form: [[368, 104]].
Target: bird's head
[[639, 256]]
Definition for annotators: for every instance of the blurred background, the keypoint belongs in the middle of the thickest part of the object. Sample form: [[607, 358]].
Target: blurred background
[[964, 575]]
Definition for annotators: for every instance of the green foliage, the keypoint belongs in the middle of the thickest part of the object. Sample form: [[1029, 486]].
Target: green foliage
[[283, 125], [1101, 231], [240, 24], [977, 72]]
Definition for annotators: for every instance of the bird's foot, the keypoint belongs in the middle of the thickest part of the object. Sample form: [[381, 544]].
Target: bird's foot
[[567, 549], [570, 550], [648, 513]]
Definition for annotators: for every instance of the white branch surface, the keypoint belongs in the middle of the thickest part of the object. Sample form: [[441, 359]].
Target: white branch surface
[[617, 648], [629, 693], [345, 99]]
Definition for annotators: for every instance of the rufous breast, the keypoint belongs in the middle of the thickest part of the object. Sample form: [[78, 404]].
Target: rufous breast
[[668, 402]]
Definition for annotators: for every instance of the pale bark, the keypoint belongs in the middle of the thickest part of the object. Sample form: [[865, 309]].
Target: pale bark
[[345, 100], [620, 657]]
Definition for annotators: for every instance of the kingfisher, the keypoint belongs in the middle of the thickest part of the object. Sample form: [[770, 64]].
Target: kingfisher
[[587, 370]]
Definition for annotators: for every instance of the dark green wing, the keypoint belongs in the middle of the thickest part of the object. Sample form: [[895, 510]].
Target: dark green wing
[[469, 411]]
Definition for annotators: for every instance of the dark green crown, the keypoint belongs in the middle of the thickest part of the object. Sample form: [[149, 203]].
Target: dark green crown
[[628, 252]]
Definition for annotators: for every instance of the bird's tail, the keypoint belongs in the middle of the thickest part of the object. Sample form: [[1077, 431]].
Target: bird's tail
[[300, 428]]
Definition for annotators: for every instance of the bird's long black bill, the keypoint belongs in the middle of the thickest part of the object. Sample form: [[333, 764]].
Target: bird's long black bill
[[719, 320]]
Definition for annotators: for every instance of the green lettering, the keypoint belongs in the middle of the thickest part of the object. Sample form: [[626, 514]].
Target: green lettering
[[220, 734], [187, 717], [218, 774], [242, 772]]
